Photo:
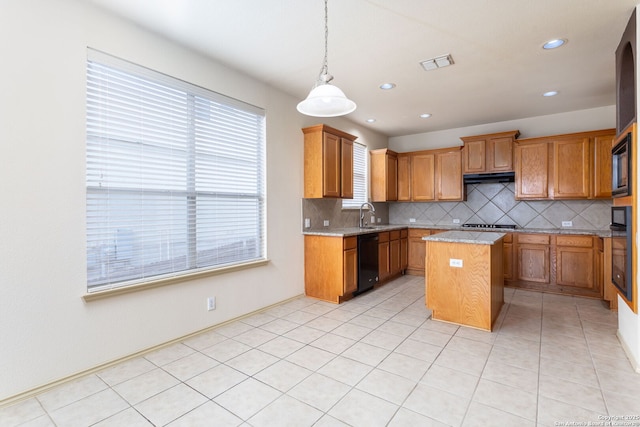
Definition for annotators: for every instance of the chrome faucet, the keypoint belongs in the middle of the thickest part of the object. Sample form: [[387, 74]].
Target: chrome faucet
[[361, 224]]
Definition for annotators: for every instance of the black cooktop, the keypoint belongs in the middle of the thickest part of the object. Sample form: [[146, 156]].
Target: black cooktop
[[511, 226]]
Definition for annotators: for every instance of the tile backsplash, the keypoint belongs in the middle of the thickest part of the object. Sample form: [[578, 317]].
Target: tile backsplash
[[318, 210], [486, 203]]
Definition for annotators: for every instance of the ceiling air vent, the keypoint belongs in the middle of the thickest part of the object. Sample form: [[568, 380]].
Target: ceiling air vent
[[437, 62]]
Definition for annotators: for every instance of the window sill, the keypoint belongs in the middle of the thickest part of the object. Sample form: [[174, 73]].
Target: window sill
[[107, 293]]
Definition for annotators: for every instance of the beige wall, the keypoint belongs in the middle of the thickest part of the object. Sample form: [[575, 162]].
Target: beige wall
[[47, 331]]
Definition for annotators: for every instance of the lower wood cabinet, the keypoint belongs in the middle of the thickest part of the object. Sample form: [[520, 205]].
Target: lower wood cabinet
[[384, 257], [565, 264], [330, 267], [416, 251], [534, 260]]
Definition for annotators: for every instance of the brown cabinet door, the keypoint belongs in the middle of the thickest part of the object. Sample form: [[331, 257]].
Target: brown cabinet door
[[602, 166], [449, 176], [394, 256], [404, 178], [500, 155], [350, 266], [416, 251], [331, 165], [531, 170], [575, 268], [392, 177], [423, 177], [346, 169], [571, 168], [533, 263], [384, 267], [404, 253], [507, 260], [474, 156]]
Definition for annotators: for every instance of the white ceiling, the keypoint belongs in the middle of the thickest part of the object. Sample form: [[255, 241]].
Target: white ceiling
[[500, 69]]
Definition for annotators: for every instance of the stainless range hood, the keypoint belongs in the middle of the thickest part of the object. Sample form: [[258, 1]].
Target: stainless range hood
[[480, 178]]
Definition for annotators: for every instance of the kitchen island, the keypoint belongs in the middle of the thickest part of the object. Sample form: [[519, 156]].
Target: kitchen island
[[464, 277]]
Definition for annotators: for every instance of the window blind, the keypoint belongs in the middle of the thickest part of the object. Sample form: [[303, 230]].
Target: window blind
[[174, 176], [360, 188]]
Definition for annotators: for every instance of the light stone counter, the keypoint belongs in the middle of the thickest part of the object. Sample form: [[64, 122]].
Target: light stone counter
[[472, 237]]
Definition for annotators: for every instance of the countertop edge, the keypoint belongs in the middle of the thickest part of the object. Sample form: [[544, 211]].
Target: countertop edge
[[355, 231]]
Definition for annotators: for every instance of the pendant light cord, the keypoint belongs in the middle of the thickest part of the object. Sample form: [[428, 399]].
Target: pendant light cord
[[324, 76]]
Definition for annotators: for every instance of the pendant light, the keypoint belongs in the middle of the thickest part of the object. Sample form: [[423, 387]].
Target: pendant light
[[326, 100]]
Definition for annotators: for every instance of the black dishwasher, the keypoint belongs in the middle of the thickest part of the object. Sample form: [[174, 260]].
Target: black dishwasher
[[367, 262]]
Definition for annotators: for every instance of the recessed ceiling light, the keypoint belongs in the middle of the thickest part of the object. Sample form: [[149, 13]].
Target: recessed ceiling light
[[371, 120], [553, 44], [550, 93], [387, 86], [425, 115]]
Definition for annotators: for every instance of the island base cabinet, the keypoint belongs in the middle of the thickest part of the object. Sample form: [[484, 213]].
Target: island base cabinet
[[464, 283]]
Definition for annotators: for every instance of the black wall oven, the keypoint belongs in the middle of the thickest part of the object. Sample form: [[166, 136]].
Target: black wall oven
[[621, 250]]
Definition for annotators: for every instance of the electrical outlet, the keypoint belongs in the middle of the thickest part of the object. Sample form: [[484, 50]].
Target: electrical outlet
[[211, 303], [326, 222], [567, 223], [373, 219], [307, 223], [379, 220], [412, 220], [455, 262], [456, 220]]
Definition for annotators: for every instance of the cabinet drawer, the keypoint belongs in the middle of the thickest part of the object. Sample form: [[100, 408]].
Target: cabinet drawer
[[576, 241], [418, 232], [350, 243], [383, 237], [534, 239], [404, 233], [394, 235]]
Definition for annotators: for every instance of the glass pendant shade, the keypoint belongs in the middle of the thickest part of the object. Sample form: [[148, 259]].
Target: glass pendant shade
[[326, 100]]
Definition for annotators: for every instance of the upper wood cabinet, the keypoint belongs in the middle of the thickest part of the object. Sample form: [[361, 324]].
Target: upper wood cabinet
[[404, 177], [328, 163], [571, 166], [449, 186], [430, 175], [384, 175], [423, 174], [488, 153], [571, 169]]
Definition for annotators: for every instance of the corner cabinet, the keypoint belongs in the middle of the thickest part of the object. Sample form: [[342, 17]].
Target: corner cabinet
[[328, 163], [488, 153], [563, 167]]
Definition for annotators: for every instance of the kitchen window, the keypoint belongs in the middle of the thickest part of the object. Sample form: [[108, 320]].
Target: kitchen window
[[174, 177], [360, 189]]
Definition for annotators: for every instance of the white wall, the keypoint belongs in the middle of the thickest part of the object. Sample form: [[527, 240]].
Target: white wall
[[555, 124], [47, 331], [628, 321]]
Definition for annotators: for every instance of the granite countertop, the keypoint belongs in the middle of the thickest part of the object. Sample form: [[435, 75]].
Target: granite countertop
[[472, 237], [354, 231]]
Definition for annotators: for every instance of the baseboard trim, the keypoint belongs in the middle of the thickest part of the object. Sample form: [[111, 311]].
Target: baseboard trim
[[635, 364], [48, 386]]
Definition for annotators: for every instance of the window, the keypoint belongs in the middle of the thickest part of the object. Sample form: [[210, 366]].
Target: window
[[360, 189], [175, 177]]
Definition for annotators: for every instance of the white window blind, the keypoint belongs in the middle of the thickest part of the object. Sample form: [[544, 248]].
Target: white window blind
[[175, 176], [360, 189]]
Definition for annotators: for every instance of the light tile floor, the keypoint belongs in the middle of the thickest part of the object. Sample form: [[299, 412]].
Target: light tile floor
[[377, 360]]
